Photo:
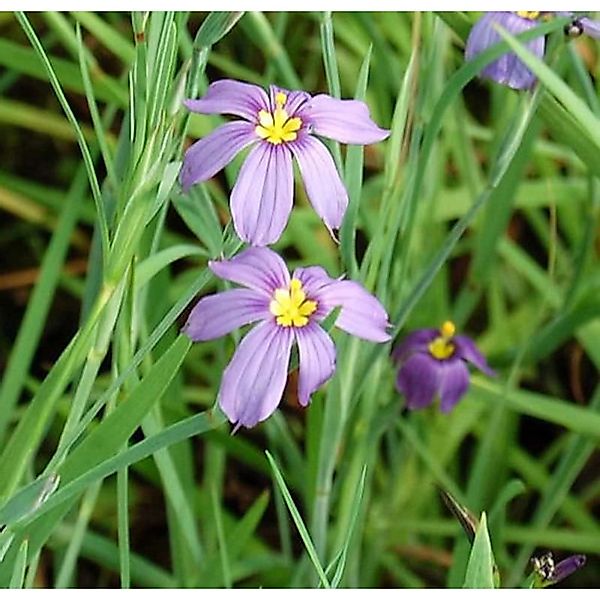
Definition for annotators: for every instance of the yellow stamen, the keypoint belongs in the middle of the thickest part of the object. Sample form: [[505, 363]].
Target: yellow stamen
[[447, 329], [441, 347], [532, 15], [278, 127], [291, 306]]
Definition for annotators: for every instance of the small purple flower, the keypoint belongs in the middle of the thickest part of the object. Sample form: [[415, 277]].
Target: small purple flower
[[278, 126], [509, 69], [434, 362], [287, 310], [548, 573]]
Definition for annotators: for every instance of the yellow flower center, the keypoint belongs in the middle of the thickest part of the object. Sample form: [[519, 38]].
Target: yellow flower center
[[442, 347], [532, 15], [277, 127], [291, 306]]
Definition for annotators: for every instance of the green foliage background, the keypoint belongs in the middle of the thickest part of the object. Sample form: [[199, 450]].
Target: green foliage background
[[116, 468]]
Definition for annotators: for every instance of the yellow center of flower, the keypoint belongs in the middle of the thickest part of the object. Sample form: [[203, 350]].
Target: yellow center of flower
[[291, 306], [532, 15], [442, 347], [277, 127]]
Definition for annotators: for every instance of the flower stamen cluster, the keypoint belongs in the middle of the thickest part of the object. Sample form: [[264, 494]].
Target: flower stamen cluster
[[277, 126], [291, 307], [442, 347]]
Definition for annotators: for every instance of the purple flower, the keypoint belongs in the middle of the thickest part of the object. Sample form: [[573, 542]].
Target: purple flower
[[548, 573], [434, 362], [278, 126], [509, 69], [286, 310]]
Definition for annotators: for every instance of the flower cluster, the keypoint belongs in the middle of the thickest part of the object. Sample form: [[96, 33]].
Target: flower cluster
[[509, 69]]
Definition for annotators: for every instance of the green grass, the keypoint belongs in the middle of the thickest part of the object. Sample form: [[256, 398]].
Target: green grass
[[117, 468]]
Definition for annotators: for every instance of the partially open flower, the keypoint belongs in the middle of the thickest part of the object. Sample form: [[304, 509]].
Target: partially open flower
[[434, 362], [287, 310], [547, 572]]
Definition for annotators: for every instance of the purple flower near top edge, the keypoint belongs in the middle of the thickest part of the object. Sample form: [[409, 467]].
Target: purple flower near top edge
[[278, 126], [509, 69], [548, 573], [434, 362], [287, 311]]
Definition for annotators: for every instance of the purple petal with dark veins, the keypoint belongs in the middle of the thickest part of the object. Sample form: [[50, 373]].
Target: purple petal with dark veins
[[418, 379], [259, 269], [346, 121], [454, 382], [322, 182], [361, 313], [230, 97], [295, 100], [509, 69], [218, 314], [467, 350], [209, 155], [316, 359], [253, 383], [261, 199]]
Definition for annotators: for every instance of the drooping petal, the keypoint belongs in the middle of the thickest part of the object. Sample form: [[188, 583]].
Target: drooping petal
[[209, 155], [347, 121], [317, 360], [254, 381], [508, 69], [418, 380], [229, 97], [261, 199], [454, 382], [322, 182], [590, 27], [218, 314], [415, 341], [467, 350], [259, 269]]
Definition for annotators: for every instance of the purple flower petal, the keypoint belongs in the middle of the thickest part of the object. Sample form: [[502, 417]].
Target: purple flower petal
[[347, 121], [416, 341], [590, 27], [261, 199], [322, 182], [509, 69], [418, 380], [294, 102], [467, 350], [317, 360], [218, 314], [567, 567], [209, 155], [362, 314], [230, 97], [254, 381], [259, 269], [454, 382]]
